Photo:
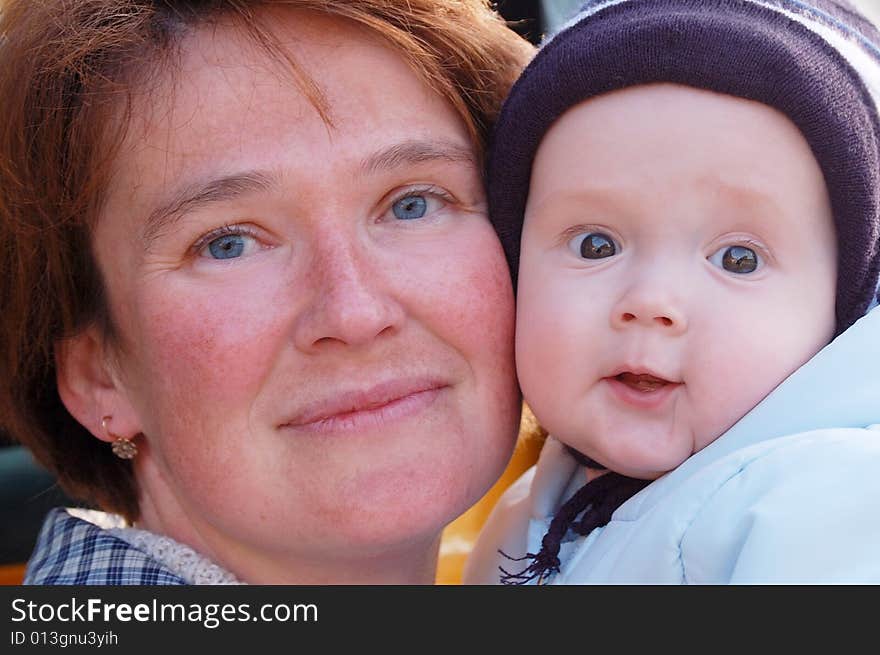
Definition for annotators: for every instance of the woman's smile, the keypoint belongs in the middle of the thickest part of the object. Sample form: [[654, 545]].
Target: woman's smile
[[375, 406]]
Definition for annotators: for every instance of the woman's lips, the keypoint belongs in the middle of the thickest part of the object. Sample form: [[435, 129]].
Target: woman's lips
[[641, 390], [364, 409]]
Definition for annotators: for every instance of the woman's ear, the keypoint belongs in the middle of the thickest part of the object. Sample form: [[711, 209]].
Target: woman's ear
[[89, 388]]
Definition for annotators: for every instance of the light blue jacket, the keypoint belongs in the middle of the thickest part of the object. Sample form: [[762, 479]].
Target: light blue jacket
[[789, 494]]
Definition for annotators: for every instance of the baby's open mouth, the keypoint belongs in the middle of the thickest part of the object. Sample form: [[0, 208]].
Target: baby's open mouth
[[641, 381]]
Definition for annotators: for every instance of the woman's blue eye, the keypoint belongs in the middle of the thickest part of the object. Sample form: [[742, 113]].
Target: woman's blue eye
[[594, 245], [410, 207], [736, 259], [227, 246]]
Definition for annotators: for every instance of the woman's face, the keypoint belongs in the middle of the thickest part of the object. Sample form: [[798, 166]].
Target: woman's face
[[316, 320]]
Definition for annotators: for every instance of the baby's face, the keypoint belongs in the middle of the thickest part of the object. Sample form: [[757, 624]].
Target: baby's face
[[678, 262]]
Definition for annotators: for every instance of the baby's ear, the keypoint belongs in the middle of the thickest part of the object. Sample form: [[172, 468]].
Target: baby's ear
[[89, 388]]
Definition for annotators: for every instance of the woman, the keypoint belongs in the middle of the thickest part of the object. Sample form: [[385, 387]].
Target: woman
[[252, 301]]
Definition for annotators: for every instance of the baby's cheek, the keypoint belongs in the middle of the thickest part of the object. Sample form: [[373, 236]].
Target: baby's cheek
[[738, 369], [543, 366], [549, 338]]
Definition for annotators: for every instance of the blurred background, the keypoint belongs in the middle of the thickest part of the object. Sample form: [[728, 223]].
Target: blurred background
[[537, 17]]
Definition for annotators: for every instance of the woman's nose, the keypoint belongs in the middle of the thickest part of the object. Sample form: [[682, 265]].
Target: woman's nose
[[352, 303]]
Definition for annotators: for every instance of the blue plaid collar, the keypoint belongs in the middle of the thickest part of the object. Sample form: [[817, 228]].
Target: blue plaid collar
[[74, 551]]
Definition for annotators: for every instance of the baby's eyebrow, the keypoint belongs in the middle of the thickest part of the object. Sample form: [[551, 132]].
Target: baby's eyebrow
[[739, 195], [600, 196], [611, 195], [220, 189]]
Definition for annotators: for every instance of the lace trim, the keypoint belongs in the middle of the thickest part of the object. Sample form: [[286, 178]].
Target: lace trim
[[182, 560]]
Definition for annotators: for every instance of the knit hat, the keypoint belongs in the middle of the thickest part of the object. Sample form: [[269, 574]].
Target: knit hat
[[818, 63]]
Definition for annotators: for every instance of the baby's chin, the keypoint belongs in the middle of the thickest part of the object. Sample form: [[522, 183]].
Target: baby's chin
[[648, 470], [646, 454]]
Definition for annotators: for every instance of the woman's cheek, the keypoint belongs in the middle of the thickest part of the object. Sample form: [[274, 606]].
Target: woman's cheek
[[227, 335], [485, 292]]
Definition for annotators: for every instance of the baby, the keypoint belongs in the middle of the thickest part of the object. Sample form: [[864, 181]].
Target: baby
[[689, 193]]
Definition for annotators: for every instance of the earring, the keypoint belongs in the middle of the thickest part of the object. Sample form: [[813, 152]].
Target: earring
[[123, 447]]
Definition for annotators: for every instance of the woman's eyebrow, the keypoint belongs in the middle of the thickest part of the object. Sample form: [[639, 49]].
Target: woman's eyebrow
[[230, 187], [411, 152], [222, 189]]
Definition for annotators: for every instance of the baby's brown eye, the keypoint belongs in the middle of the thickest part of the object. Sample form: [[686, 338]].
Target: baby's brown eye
[[736, 259], [594, 245]]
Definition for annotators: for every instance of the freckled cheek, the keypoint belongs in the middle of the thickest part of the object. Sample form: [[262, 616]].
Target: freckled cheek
[[469, 299], [219, 343]]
